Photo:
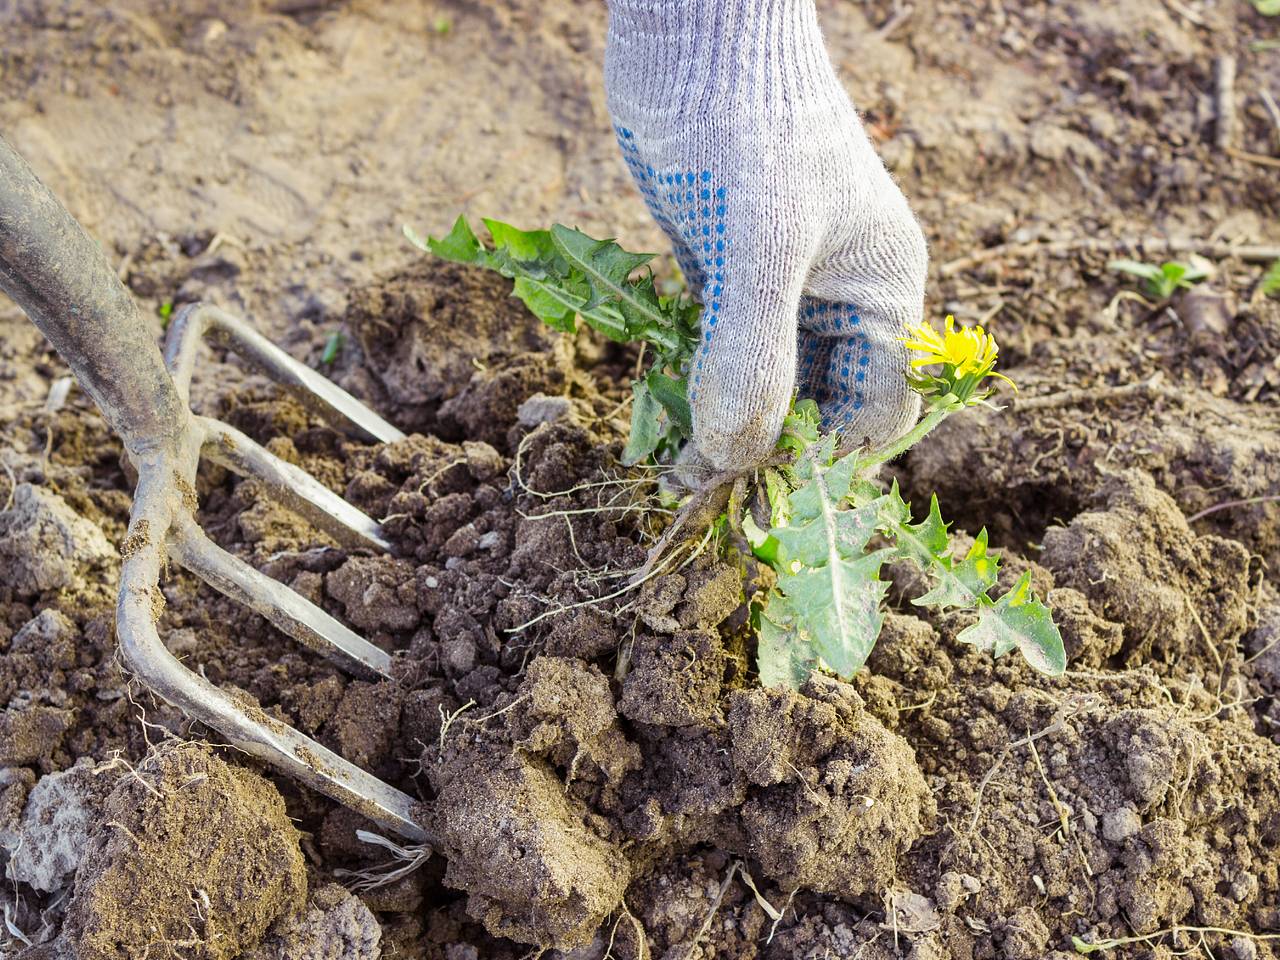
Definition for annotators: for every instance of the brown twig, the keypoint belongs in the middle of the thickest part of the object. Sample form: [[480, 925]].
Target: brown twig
[[1232, 503], [1256, 253], [1224, 73], [1081, 395], [1261, 159]]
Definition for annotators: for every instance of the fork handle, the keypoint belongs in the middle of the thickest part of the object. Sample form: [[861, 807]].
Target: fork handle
[[61, 279]]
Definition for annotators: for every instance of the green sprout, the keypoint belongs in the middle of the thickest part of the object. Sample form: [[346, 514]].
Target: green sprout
[[1165, 280], [830, 529], [1270, 284], [332, 348], [165, 313]]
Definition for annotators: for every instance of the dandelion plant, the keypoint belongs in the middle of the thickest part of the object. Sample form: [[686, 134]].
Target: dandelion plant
[[832, 528], [825, 608]]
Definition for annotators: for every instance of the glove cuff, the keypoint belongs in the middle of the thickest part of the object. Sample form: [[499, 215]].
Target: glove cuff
[[691, 58]]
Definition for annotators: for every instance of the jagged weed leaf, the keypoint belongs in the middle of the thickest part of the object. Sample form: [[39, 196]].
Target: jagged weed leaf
[[927, 544], [964, 582], [645, 435], [673, 395], [561, 275], [826, 604], [1019, 621], [783, 662], [837, 609], [553, 305], [1270, 284]]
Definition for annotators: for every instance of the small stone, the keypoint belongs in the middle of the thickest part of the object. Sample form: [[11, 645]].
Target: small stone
[[335, 926], [1244, 948], [54, 832], [464, 542], [51, 637], [543, 409], [483, 462], [1120, 824]]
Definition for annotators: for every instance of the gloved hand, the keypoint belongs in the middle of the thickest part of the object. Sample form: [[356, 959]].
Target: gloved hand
[[807, 258]]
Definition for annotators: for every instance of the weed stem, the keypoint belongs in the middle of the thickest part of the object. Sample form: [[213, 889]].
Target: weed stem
[[906, 441]]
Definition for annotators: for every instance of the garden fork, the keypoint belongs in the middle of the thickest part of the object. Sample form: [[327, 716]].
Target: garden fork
[[52, 269]]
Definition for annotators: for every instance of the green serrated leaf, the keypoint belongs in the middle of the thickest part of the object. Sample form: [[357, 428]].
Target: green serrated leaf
[[962, 583], [837, 609], [782, 659], [1271, 279], [812, 539], [829, 589], [460, 245], [1019, 621], [607, 267], [925, 542], [533, 250], [1136, 268], [673, 395], [551, 304], [645, 435], [562, 274]]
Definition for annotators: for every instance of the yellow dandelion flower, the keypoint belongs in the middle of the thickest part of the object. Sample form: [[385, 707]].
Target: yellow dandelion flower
[[968, 349], [968, 354]]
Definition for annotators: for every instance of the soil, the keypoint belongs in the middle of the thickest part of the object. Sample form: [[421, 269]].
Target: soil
[[604, 774]]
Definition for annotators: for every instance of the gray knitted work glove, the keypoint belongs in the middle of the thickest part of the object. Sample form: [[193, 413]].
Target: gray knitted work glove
[[808, 261]]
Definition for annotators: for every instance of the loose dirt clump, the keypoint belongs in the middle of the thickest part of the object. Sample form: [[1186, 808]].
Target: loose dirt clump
[[452, 354], [1138, 563], [190, 854], [834, 799], [336, 925], [544, 875], [45, 545]]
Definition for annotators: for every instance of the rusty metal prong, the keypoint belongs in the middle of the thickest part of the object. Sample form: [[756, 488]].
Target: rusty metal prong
[[291, 486], [337, 407], [242, 723], [289, 611]]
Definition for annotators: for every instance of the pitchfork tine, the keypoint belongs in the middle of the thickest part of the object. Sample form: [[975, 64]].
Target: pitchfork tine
[[290, 612], [291, 486], [323, 396]]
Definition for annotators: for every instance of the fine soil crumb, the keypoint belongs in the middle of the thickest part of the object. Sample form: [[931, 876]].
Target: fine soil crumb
[[189, 853], [336, 925]]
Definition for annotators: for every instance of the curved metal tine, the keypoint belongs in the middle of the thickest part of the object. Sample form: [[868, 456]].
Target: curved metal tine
[[329, 400], [292, 486], [290, 612], [244, 725]]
